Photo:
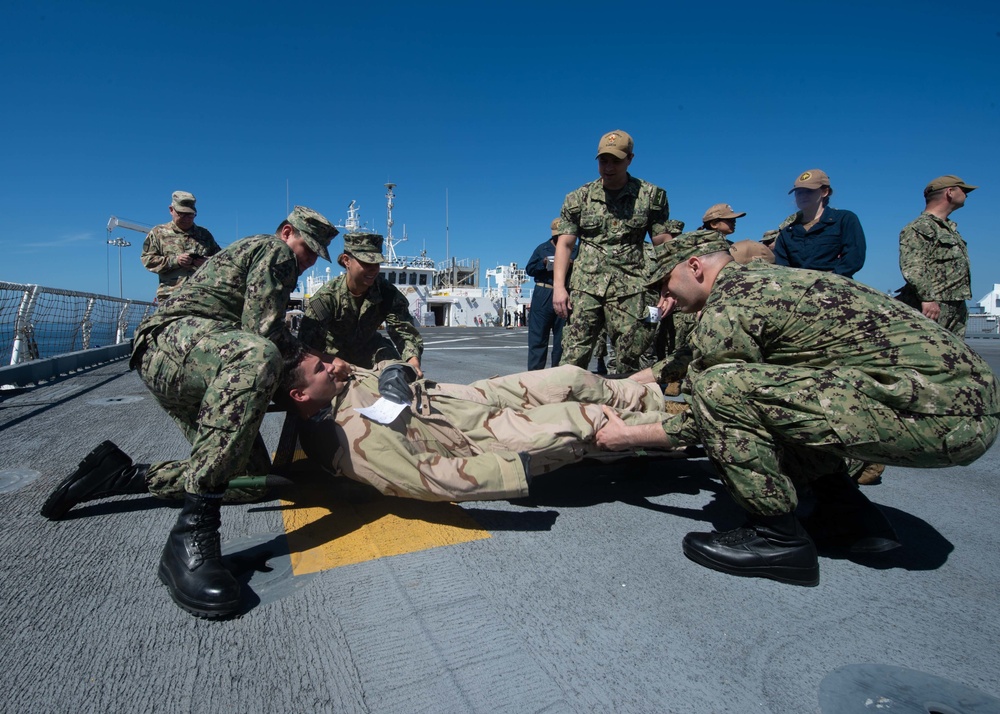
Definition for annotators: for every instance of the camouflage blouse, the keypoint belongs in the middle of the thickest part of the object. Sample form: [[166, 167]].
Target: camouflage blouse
[[934, 259], [245, 287], [611, 230], [760, 313], [338, 323]]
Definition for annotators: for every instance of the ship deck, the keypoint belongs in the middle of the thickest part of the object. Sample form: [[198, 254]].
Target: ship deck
[[576, 599]]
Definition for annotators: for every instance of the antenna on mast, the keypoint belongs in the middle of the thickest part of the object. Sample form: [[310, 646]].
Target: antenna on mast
[[390, 241], [389, 195]]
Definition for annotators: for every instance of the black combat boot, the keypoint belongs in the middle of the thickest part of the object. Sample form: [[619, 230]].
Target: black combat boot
[[844, 518], [105, 471], [191, 565], [774, 547]]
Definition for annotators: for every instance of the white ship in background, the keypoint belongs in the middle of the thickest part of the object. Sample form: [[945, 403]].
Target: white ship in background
[[447, 294]]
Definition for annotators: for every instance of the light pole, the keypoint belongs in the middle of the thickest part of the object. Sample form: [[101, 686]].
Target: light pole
[[119, 243]]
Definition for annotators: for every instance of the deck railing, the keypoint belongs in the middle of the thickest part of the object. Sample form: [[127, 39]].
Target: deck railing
[[38, 322], [983, 326]]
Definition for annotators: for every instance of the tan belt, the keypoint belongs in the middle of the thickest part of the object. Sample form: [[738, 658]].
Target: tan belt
[[544, 285]]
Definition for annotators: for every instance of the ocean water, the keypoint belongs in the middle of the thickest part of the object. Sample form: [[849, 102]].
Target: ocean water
[[53, 339], [63, 321]]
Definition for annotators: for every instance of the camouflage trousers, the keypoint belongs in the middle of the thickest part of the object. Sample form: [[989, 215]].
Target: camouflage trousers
[[464, 443], [954, 315], [217, 394], [631, 336], [766, 427]]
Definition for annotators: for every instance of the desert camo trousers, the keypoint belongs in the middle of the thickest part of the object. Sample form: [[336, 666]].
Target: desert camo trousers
[[465, 443], [551, 414], [623, 317], [218, 395], [765, 427]]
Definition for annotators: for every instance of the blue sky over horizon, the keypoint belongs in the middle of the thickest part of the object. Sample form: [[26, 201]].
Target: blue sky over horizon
[[112, 106]]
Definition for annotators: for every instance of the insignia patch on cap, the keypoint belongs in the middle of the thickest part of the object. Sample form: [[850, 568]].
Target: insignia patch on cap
[[806, 176], [612, 138]]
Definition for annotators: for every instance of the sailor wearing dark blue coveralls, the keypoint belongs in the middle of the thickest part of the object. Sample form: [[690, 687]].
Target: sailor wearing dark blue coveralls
[[542, 320], [818, 237]]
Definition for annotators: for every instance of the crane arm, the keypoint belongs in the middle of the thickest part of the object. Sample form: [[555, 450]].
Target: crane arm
[[115, 222]]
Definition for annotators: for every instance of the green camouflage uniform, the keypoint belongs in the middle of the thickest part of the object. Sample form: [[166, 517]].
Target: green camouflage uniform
[[608, 280], [212, 357], [161, 248], [677, 326], [461, 442], [935, 262], [795, 371], [347, 327]]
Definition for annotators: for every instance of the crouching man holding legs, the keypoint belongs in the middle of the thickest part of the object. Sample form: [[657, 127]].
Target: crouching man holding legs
[[793, 373]]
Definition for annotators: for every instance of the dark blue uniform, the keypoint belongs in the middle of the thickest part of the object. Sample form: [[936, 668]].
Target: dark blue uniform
[[543, 319], [836, 244]]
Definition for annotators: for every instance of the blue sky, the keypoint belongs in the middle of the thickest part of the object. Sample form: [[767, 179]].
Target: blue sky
[[109, 107]]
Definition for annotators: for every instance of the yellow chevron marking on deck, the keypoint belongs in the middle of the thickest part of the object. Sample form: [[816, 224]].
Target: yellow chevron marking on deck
[[330, 532]]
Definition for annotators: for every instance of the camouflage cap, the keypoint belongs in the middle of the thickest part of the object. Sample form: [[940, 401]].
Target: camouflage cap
[[720, 211], [617, 143], [183, 202], [769, 237], [948, 181], [366, 247], [746, 250], [555, 227], [672, 253], [315, 230], [813, 178]]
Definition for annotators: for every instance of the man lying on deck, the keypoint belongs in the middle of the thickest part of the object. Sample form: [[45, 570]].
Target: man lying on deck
[[448, 442]]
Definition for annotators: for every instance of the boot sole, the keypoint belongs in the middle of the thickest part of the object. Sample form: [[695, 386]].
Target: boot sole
[[207, 611], [807, 577], [55, 506]]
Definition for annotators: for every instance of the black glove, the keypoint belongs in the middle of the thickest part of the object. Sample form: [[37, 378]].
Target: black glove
[[394, 383]]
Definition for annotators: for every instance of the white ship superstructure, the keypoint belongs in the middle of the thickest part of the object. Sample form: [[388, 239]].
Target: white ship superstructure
[[446, 294]]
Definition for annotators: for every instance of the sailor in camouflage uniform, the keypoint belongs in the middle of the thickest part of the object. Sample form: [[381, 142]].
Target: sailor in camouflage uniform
[[456, 442], [934, 259], [719, 222], [212, 357], [610, 218], [343, 317], [175, 250], [792, 373]]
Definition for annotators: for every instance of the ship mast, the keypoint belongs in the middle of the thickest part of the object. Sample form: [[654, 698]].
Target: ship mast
[[390, 241]]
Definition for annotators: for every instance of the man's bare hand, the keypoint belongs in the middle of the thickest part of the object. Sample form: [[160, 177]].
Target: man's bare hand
[[613, 436], [665, 305], [341, 369], [931, 310], [645, 376], [415, 363], [560, 302]]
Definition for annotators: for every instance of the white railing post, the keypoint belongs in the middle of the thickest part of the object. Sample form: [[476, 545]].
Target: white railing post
[[86, 325], [23, 341]]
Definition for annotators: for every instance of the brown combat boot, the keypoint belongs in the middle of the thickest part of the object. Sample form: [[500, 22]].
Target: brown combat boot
[[870, 475]]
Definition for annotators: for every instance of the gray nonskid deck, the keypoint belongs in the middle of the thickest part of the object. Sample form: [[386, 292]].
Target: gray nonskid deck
[[580, 601]]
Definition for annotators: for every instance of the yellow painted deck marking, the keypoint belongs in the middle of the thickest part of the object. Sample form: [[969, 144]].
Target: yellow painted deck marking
[[325, 532]]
